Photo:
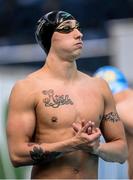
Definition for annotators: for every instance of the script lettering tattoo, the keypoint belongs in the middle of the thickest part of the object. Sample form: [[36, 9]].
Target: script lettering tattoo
[[112, 116], [55, 100], [38, 155]]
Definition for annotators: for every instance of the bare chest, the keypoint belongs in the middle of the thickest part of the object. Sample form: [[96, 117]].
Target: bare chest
[[59, 108]]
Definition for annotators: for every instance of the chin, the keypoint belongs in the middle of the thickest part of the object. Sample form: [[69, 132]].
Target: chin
[[76, 55]]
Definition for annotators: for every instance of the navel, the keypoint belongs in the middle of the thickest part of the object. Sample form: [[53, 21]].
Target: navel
[[76, 170]]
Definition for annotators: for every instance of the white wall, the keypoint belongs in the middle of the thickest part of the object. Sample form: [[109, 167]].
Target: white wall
[[121, 45]]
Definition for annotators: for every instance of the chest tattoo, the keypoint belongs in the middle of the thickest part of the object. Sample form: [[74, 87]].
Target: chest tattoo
[[112, 116], [55, 100]]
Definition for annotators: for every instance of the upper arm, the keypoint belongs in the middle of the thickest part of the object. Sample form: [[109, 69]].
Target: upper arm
[[21, 116], [111, 125]]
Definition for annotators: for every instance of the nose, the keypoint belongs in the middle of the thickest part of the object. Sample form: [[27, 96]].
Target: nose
[[77, 34]]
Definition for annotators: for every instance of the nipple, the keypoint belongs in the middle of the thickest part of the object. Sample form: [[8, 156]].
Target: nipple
[[54, 119]]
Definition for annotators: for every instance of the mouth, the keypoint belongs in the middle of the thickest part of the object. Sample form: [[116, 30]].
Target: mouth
[[79, 44]]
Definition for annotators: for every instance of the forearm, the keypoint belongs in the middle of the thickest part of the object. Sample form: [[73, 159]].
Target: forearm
[[33, 153], [115, 151]]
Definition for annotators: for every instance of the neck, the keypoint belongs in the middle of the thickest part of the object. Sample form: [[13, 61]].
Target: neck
[[61, 68]]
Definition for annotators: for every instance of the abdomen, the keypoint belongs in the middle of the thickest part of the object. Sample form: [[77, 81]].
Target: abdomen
[[75, 165]]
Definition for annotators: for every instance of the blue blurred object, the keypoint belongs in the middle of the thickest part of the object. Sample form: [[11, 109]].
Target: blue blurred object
[[114, 77], [111, 170]]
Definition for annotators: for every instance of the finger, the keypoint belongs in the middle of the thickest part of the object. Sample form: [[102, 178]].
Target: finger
[[83, 123], [96, 130], [91, 127], [89, 130], [92, 123], [76, 127], [94, 137], [86, 126]]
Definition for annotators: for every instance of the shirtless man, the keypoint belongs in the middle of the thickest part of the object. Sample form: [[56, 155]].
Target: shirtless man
[[46, 108], [123, 96]]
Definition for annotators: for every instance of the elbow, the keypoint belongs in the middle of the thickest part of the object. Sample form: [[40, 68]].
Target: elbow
[[15, 164], [16, 160], [124, 155], [123, 159]]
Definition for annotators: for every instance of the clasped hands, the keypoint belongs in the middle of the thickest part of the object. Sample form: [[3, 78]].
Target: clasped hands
[[87, 136]]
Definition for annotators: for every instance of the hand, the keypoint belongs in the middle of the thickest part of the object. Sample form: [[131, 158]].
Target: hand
[[91, 136], [79, 124]]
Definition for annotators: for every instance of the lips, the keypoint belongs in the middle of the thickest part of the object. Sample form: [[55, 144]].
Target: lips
[[79, 44]]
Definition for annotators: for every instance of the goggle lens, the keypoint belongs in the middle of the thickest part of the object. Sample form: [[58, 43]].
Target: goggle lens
[[68, 28]]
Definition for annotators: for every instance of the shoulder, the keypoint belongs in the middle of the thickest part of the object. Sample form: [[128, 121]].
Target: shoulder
[[104, 89], [86, 76], [22, 95], [28, 84], [23, 90], [98, 83], [102, 84], [22, 85]]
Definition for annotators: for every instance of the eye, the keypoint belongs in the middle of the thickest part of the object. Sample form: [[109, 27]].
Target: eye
[[68, 28], [65, 29]]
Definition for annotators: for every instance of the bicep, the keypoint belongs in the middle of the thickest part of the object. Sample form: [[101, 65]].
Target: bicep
[[21, 118], [112, 130], [20, 125], [111, 124]]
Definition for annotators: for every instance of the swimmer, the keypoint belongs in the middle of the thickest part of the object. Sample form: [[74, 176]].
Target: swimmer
[[56, 114]]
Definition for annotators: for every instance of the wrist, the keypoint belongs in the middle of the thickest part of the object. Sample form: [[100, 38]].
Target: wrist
[[96, 151]]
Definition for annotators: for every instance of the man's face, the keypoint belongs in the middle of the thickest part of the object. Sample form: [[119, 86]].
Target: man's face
[[67, 38]]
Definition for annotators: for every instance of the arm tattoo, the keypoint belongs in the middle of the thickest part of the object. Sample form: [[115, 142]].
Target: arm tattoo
[[112, 116], [38, 155], [54, 100]]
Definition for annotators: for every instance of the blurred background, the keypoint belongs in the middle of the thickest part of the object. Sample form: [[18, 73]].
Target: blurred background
[[107, 26]]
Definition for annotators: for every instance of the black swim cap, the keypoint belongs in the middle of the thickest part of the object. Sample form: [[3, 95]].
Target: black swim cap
[[46, 26]]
